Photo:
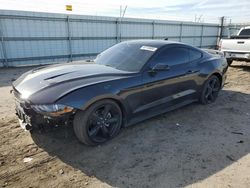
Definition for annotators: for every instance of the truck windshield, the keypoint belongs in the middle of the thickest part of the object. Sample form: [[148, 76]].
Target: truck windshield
[[245, 32], [125, 56]]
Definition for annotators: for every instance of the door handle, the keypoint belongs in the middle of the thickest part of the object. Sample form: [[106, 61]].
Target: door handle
[[190, 72], [240, 42]]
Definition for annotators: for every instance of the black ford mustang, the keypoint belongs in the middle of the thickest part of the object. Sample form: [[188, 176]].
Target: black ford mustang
[[125, 84]]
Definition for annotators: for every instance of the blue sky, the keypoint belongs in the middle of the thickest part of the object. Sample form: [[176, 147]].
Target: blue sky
[[206, 10]]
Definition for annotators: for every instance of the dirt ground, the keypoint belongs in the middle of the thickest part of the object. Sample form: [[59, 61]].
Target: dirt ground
[[196, 146]]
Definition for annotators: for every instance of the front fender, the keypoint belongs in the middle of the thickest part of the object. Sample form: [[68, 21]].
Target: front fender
[[82, 98], [126, 91]]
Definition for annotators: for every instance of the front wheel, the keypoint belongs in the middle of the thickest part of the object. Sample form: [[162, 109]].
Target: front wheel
[[210, 90], [99, 123]]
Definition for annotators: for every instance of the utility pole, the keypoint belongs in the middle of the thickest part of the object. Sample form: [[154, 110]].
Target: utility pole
[[222, 20]]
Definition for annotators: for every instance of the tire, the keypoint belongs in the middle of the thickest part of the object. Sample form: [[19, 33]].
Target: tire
[[99, 123], [210, 90], [229, 62]]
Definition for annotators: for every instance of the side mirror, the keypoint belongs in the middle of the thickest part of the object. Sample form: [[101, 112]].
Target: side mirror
[[160, 67]]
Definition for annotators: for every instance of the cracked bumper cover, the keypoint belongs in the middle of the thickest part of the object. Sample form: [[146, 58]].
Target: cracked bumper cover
[[30, 119]]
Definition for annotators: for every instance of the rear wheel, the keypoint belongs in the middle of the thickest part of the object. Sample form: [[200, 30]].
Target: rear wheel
[[99, 123], [210, 90]]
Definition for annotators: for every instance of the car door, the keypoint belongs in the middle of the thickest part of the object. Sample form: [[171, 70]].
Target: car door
[[171, 81]]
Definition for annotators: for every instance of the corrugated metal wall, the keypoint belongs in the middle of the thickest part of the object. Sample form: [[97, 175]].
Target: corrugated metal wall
[[39, 38]]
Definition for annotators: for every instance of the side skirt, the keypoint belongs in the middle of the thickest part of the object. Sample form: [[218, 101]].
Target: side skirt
[[157, 111]]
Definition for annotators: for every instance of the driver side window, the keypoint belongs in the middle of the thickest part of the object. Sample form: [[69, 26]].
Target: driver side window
[[172, 56]]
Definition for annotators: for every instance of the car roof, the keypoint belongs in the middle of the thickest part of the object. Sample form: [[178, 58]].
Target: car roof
[[153, 43]]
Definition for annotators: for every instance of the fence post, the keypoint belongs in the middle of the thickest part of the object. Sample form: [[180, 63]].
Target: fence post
[[117, 30], [221, 26], [153, 29], [181, 25], [5, 63], [201, 38], [120, 30], [69, 39]]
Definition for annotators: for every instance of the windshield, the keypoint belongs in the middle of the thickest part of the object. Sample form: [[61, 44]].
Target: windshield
[[126, 56]]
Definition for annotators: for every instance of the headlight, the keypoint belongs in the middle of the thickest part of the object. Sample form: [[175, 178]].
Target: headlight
[[52, 109]]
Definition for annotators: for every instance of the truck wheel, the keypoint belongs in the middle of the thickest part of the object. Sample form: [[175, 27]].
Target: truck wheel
[[229, 62]]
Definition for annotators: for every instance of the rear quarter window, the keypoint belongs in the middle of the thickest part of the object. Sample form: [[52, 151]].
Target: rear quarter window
[[194, 55], [172, 56]]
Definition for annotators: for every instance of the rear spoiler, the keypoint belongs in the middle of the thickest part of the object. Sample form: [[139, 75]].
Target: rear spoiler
[[214, 52]]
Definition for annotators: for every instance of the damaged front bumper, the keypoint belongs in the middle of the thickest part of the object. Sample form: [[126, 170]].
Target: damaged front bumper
[[30, 119]]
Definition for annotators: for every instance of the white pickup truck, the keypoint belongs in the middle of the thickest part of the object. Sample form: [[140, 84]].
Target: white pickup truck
[[237, 47]]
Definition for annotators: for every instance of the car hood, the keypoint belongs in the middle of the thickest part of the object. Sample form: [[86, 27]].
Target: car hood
[[64, 74]]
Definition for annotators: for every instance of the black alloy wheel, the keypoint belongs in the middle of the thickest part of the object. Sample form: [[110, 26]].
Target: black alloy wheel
[[210, 90], [101, 122]]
